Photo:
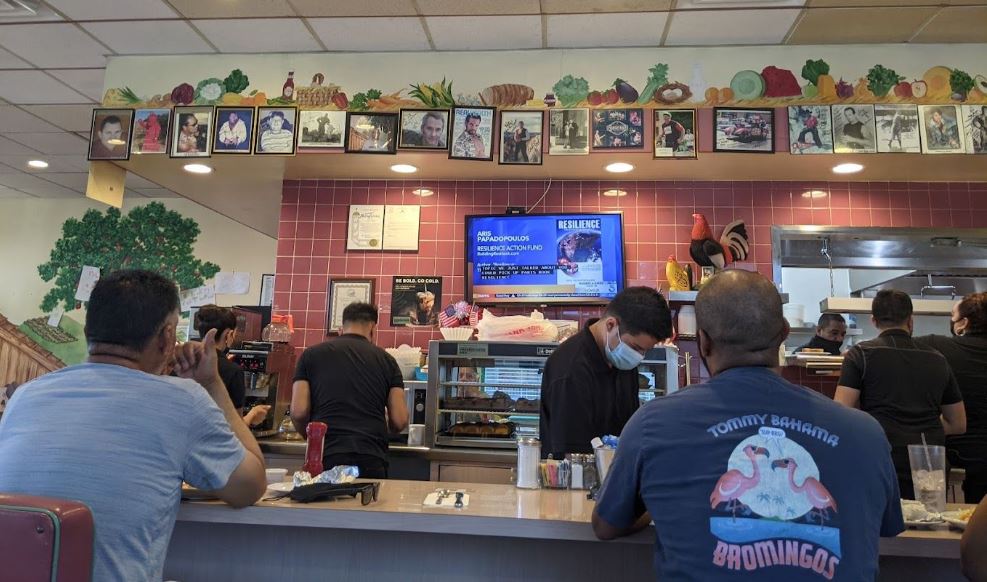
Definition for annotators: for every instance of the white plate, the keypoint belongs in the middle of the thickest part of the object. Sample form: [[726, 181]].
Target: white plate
[[283, 487], [925, 523], [952, 518]]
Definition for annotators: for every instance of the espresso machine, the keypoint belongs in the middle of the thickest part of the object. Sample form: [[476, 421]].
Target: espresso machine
[[268, 369]]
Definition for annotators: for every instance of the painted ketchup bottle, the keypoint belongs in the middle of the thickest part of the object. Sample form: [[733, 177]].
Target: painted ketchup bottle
[[313, 449], [288, 90]]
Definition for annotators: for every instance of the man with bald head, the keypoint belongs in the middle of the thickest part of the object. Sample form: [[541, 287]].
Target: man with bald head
[[748, 473]]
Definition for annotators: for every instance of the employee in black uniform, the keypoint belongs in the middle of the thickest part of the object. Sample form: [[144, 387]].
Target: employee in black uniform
[[830, 333], [590, 384], [354, 387]]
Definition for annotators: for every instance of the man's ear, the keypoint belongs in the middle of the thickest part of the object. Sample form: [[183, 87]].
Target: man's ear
[[787, 330], [705, 344]]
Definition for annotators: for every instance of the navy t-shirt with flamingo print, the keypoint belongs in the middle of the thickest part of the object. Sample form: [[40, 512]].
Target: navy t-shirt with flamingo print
[[749, 474]]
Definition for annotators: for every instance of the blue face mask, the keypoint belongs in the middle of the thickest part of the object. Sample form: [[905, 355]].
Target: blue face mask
[[623, 357]]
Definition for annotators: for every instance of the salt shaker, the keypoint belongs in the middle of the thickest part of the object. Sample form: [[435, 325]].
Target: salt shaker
[[528, 458]]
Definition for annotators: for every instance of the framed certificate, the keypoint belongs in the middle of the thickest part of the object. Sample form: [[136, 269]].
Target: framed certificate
[[343, 292]]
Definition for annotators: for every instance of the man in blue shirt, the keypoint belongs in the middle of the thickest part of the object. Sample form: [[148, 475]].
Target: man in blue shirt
[[748, 473], [117, 436]]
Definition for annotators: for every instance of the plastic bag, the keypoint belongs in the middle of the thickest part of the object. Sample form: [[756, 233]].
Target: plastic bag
[[516, 328]]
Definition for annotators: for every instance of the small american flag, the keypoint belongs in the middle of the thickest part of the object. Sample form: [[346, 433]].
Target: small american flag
[[448, 317]]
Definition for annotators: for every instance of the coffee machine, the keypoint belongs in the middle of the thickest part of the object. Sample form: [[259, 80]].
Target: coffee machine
[[268, 369]]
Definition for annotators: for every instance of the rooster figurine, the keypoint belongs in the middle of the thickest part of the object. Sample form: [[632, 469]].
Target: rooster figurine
[[678, 277], [706, 251]]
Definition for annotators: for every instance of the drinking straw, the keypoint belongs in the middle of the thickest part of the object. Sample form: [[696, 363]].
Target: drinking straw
[[925, 449]]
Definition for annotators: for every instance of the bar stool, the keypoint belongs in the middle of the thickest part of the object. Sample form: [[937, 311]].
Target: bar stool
[[47, 539], [956, 477]]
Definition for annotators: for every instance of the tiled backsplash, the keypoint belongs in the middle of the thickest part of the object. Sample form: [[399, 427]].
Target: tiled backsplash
[[657, 221]]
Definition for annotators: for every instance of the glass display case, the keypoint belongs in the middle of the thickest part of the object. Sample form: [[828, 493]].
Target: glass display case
[[487, 394]]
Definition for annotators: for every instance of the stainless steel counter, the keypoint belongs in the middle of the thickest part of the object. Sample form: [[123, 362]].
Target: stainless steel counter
[[275, 446]]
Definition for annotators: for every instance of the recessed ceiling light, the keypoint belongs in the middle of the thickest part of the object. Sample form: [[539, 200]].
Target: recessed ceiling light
[[814, 194], [614, 193], [619, 167], [40, 164], [198, 168], [423, 192], [848, 168], [404, 168]]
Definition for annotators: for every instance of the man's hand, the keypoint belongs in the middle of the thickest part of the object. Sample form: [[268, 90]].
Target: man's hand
[[197, 360], [256, 415]]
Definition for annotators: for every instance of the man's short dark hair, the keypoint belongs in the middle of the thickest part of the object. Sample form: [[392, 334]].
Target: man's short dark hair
[[641, 310], [127, 308], [359, 313], [214, 317], [741, 312], [276, 113], [850, 109], [827, 319], [108, 120], [891, 308], [469, 116]]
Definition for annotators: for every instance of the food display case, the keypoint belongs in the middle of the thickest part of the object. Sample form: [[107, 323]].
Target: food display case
[[487, 394]]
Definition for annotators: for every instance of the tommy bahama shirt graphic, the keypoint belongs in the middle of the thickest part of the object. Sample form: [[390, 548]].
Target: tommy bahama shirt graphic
[[771, 508]]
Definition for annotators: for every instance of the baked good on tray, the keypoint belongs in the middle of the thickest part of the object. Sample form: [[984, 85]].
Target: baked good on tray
[[482, 429], [527, 405], [500, 402]]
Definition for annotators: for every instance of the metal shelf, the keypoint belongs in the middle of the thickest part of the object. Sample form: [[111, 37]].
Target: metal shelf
[[485, 443], [490, 385], [500, 412]]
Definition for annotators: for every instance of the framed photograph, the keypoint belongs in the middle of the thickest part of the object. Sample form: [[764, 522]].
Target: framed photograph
[[853, 129], [275, 134], [233, 132], [675, 133], [743, 130], [472, 133], [266, 290], [190, 132], [371, 133], [941, 129], [618, 129], [344, 292], [424, 129], [416, 301], [321, 129], [520, 137], [110, 136], [810, 129], [569, 132], [151, 129], [897, 129], [975, 126]]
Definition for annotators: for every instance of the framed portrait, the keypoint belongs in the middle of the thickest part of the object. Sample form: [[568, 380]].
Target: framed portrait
[[810, 129], [897, 129], [424, 129], [344, 292], [975, 127], [190, 132], [321, 129], [472, 133], [233, 130], [110, 136], [275, 133], [941, 129], [569, 132], [618, 129], [151, 130], [675, 133], [371, 133], [416, 300], [853, 129], [743, 130], [521, 137]]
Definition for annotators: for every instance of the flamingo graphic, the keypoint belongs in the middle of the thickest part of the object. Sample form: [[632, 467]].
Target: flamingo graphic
[[733, 483], [817, 495]]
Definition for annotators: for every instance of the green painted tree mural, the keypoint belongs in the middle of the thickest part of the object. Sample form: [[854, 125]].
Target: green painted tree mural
[[148, 237]]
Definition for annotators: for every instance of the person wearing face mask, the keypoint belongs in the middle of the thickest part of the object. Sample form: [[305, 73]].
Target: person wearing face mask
[[590, 384], [830, 333], [966, 352], [908, 387]]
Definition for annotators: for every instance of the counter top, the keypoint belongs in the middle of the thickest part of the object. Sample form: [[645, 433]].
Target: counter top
[[276, 446]]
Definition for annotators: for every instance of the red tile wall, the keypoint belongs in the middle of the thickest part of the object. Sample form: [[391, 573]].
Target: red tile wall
[[657, 219]]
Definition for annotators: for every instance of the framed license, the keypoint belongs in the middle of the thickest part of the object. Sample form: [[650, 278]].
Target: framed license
[[266, 290], [343, 292]]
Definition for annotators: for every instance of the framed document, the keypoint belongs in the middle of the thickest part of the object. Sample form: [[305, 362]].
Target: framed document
[[266, 290], [343, 292], [401, 223], [366, 227]]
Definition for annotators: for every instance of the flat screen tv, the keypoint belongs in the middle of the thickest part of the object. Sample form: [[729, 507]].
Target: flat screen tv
[[544, 259]]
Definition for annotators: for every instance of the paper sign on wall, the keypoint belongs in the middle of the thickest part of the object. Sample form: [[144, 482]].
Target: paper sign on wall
[[88, 279], [401, 227], [56, 317], [197, 297], [232, 282], [366, 227]]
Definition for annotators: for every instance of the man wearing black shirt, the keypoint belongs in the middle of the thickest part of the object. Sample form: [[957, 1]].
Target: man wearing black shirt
[[590, 384], [354, 387], [830, 333], [909, 388]]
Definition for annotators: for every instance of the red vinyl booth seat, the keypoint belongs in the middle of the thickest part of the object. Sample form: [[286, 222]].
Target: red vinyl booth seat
[[45, 539]]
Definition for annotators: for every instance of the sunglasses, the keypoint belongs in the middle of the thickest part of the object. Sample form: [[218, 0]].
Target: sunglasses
[[368, 492]]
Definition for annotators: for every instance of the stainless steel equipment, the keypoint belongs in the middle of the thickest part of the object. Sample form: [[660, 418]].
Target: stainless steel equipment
[[267, 374]]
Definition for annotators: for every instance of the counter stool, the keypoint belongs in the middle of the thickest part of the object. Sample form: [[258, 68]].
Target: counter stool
[[955, 484], [45, 539]]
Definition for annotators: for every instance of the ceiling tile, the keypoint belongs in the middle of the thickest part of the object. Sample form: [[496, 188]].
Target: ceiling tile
[[9, 60], [735, 4], [485, 32], [53, 45], [73, 181], [45, 189], [349, 8], [9, 147], [113, 9], [477, 7], [859, 25], [857, 3], [227, 9], [65, 164], [258, 35], [52, 143], [370, 34], [67, 117], [128, 193], [730, 27], [16, 120], [135, 181], [596, 30], [951, 25], [131, 38], [35, 87], [588, 6], [158, 193], [89, 82], [7, 193]]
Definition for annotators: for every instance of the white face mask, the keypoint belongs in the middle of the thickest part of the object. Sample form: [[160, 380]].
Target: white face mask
[[623, 357]]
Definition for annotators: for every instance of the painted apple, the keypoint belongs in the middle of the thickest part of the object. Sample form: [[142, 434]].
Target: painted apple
[[919, 89], [903, 90]]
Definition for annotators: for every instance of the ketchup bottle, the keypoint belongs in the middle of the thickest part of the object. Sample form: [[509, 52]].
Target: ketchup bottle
[[313, 449]]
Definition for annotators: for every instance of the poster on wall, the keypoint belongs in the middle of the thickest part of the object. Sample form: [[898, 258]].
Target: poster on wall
[[401, 224], [366, 227], [942, 130], [88, 280], [810, 129], [853, 129], [618, 129], [416, 301], [569, 132], [151, 128], [675, 133], [897, 129], [744, 130], [975, 126]]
